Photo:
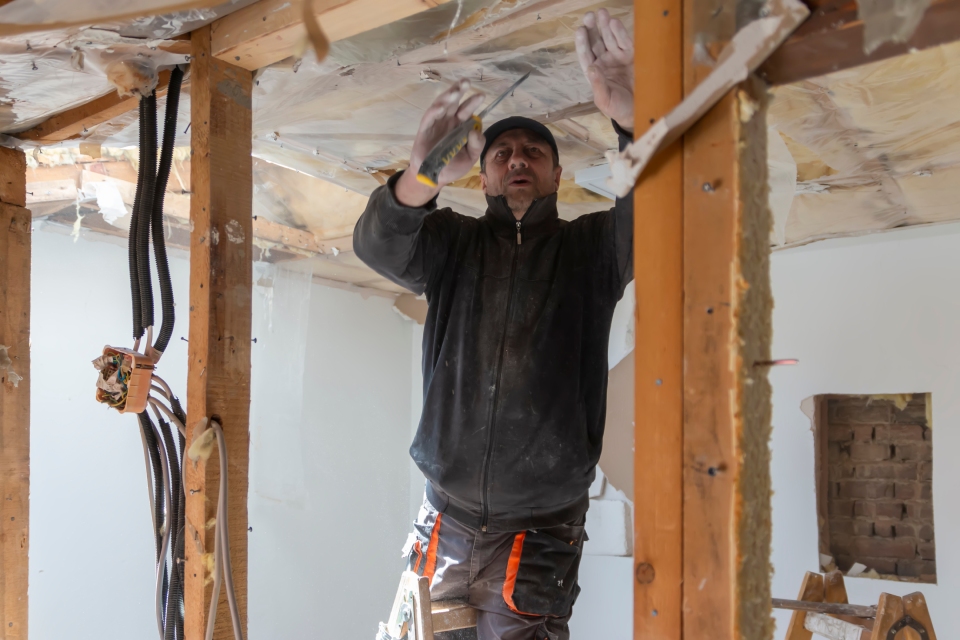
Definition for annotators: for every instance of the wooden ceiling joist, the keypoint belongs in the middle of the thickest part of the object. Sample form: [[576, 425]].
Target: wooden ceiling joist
[[72, 123], [832, 40], [271, 30]]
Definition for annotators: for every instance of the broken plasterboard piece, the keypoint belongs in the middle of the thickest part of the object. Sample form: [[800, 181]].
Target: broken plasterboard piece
[[856, 569], [832, 628], [749, 48]]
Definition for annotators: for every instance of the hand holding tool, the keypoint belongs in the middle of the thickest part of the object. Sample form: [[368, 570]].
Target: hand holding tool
[[450, 145]]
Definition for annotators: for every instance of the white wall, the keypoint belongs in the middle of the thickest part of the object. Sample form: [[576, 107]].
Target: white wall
[[868, 315], [329, 475], [329, 488], [90, 539]]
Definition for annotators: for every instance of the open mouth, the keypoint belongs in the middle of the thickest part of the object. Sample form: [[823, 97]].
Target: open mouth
[[520, 181]]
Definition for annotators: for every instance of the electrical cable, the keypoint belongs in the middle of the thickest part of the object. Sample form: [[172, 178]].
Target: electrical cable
[[162, 562], [157, 405], [163, 175], [148, 158], [134, 231], [146, 460], [174, 590], [224, 530]]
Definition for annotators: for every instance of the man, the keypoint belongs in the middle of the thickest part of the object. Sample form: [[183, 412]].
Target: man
[[514, 351]]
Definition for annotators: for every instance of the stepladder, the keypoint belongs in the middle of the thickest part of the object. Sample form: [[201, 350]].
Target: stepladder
[[415, 617], [822, 610]]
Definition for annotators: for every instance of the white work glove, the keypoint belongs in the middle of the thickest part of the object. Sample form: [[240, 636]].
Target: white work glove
[[444, 115], [605, 51]]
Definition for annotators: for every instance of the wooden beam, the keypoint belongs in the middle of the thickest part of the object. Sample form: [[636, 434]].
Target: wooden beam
[[72, 123], [271, 30], [218, 376], [832, 40], [14, 395], [727, 328], [658, 269]]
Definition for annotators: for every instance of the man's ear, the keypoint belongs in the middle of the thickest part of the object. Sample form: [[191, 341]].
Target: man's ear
[[483, 181], [556, 175]]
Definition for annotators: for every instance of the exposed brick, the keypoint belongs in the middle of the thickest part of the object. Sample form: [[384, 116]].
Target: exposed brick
[[857, 411], [884, 529], [835, 455], [862, 527], [914, 413], [842, 471], [927, 433], [904, 530], [915, 568], [889, 509], [863, 432], [886, 566], [898, 432], [907, 491], [870, 452], [926, 533], [927, 550], [926, 491], [925, 472], [884, 547], [840, 434], [862, 509], [866, 489], [840, 508], [919, 510], [922, 451], [890, 470]]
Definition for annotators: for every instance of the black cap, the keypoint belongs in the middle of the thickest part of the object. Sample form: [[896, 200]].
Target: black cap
[[517, 122]]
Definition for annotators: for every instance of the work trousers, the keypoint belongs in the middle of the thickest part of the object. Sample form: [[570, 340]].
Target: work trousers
[[523, 584]]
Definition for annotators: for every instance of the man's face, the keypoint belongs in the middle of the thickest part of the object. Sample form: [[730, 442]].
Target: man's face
[[520, 166]]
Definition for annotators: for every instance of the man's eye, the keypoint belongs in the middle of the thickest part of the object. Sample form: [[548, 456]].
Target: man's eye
[[534, 151]]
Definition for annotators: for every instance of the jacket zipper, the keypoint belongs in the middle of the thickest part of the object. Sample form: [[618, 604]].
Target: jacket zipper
[[484, 507]]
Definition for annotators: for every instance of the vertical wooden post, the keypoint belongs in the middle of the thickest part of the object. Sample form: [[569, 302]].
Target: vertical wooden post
[[220, 320], [727, 328], [658, 258], [15, 248]]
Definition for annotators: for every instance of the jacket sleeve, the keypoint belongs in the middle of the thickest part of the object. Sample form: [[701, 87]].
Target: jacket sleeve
[[622, 231], [407, 245], [607, 237]]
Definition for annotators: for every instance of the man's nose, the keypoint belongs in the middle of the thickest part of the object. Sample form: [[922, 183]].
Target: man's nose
[[517, 161]]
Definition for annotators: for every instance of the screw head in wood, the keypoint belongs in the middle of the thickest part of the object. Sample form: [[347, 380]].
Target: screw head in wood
[[645, 573]]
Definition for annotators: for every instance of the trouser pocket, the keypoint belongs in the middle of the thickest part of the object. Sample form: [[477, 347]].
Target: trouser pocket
[[541, 578], [422, 558]]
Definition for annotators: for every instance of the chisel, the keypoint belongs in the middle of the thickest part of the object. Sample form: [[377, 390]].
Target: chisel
[[451, 144]]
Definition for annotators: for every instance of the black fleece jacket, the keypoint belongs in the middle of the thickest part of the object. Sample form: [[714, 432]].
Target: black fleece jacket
[[514, 349]]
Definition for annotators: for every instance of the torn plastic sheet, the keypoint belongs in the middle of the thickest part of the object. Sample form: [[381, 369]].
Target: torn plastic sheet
[[43, 74], [281, 317], [889, 20], [876, 146], [357, 113], [24, 16]]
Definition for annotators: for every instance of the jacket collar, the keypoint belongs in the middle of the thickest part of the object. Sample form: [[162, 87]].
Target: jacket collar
[[541, 217]]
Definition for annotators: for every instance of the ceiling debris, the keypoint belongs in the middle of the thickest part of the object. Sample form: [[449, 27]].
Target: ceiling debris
[[862, 150]]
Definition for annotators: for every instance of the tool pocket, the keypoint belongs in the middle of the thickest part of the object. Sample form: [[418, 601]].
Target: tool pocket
[[541, 578]]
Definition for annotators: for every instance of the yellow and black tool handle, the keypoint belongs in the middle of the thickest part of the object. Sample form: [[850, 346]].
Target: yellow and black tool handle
[[445, 151]]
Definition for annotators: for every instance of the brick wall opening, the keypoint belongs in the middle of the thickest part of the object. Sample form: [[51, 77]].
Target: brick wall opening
[[875, 484]]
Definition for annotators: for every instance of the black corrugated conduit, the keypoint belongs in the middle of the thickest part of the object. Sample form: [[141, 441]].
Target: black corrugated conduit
[[163, 175]]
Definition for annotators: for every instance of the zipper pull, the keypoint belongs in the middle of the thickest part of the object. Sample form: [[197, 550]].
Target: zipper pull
[[518, 233]]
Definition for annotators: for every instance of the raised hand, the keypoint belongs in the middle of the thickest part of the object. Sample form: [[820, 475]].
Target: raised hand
[[444, 115], [605, 51]]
